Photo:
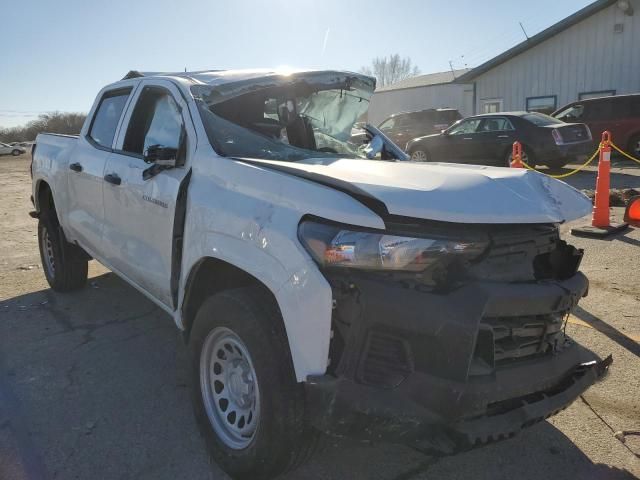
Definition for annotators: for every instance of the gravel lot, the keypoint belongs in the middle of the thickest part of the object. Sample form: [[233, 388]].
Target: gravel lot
[[92, 384]]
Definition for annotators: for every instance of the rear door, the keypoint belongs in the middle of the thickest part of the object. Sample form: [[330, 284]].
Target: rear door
[[85, 213], [140, 210], [495, 136]]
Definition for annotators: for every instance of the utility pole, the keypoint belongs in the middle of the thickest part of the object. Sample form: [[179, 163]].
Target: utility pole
[[452, 70]]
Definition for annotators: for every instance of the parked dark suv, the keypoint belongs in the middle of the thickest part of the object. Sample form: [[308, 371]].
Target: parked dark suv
[[488, 140], [405, 126], [619, 114]]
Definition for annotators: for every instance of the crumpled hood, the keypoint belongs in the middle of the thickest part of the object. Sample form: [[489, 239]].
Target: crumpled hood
[[455, 192]]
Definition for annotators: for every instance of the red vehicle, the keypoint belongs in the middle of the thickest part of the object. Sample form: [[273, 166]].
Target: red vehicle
[[619, 114]]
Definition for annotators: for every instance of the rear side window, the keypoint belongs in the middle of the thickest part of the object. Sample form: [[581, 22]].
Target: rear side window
[[599, 110], [448, 116], [107, 116]]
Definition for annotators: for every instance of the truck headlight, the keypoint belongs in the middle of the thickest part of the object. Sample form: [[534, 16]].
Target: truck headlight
[[347, 247]]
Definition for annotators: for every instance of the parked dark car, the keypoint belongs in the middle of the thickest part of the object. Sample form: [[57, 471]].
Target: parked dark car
[[405, 126], [619, 114], [488, 139]]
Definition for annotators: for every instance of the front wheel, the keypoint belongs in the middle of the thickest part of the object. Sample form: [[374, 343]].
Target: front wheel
[[247, 403], [65, 265], [419, 155], [15, 153]]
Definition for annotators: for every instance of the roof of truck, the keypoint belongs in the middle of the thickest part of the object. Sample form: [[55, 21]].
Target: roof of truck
[[219, 77]]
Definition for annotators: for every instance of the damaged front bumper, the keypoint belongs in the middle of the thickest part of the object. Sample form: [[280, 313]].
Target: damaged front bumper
[[445, 372]]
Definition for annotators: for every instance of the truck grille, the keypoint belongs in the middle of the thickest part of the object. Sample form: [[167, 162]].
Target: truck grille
[[517, 338], [386, 361]]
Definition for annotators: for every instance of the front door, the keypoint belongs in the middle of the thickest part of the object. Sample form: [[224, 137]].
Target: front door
[[140, 209], [86, 170], [460, 142]]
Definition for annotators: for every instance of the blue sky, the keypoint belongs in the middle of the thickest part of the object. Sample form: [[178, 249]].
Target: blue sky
[[59, 53]]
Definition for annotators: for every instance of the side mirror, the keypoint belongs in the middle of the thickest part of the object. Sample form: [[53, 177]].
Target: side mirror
[[375, 147], [444, 132], [161, 158]]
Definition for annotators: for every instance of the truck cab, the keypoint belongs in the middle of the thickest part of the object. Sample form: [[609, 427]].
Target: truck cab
[[322, 286]]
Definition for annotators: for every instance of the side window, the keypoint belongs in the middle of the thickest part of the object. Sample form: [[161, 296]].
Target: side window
[[570, 114], [388, 124], [107, 116], [635, 106], [465, 127], [156, 120], [621, 107], [495, 125], [599, 110]]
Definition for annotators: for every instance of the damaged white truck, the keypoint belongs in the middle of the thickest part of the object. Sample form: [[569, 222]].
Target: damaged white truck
[[322, 285]]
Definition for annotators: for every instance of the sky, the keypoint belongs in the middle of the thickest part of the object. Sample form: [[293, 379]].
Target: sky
[[59, 53]]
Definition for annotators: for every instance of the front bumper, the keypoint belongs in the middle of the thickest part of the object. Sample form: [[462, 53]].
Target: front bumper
[[434, 401]]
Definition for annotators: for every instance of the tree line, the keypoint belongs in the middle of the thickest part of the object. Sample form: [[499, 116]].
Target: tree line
[[52, 122], [390, 70]]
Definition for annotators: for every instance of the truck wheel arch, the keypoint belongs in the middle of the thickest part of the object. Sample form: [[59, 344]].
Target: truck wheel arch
[[211, 275], [44, 197]]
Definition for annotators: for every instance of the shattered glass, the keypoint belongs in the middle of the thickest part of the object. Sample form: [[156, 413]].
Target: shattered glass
[[286, 117]]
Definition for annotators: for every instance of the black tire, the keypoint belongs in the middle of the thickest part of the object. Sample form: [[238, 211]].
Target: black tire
[[16, 152], [559, 164], [282, 439], [419, 154], [65, 265], [633, 148], [528, 157]]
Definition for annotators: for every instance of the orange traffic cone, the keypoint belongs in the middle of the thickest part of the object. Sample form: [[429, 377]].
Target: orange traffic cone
[[516, 154], [632, 212], [601, 225]]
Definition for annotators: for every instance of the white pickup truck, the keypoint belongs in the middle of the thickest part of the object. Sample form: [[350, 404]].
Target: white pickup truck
[[321, 285]]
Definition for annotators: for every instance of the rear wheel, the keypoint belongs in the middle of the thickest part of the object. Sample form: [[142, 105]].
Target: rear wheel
[[247, 403], [65, 265], [419, 155], [528, 157], [16, 152]]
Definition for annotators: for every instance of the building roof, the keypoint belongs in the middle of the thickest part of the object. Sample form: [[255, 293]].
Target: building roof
[[537, 39], [425, 80]]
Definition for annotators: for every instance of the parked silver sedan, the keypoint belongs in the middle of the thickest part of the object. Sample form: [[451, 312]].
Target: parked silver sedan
[[11, 150]]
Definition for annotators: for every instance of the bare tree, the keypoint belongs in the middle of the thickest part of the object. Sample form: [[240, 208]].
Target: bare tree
[[53, 122], [391, 69]]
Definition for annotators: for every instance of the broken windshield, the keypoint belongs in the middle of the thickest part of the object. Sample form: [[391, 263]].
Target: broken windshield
[[286, 117]]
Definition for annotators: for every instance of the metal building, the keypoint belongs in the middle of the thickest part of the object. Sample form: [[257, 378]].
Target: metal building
[[435, 90], [592, 53]]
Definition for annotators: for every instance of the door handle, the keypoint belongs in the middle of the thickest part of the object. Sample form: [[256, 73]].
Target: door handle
[[503, 136], [76, 167], [112, 178], [468, 138]]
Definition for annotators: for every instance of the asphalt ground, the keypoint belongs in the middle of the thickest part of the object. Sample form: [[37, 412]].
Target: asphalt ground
[[93, 383]]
